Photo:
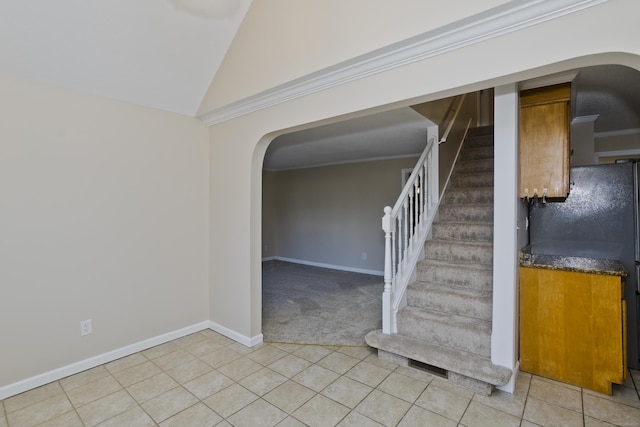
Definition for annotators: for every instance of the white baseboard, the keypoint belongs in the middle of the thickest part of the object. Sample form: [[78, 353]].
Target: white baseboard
[[110, 356], [331, 266], [269, 258], [229, 333]]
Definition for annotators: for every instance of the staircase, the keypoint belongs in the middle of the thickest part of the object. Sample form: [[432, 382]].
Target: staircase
[[446, 323]]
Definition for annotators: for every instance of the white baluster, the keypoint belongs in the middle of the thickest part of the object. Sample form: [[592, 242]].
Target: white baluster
[[411, 215], [399, 263], [405, 244]]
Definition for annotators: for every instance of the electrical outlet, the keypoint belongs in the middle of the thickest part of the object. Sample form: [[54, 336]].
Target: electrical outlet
[[86, 327], [364, 256]]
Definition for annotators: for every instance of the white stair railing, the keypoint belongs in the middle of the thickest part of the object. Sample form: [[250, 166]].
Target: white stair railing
[[406, 226]]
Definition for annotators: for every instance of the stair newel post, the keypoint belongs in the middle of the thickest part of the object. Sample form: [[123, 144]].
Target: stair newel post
[[387, 221]]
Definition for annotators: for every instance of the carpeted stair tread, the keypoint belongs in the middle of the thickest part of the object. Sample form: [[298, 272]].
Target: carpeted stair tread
[[450, 250], [462, 231], [479, 141], [450, 330], [450, 359], [469, 275], [474, 153], [475, 179], [470, 166], [468, 195], [458, 300], [463, 212], [480, 131]]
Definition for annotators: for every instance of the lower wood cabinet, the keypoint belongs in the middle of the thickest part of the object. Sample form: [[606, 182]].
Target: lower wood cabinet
[[573, 327]]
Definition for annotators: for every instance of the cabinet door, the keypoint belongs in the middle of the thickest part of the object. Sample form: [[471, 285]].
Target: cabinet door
[[544, 142], [571, 327]]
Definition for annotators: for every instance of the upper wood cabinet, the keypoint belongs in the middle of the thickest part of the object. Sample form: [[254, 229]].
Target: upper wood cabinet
[[544, 141]]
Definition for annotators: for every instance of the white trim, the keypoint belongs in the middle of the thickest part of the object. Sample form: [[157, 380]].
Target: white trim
[[101, 359], [110, 356], [504, 334], [621, 132], [598, 154], [553, 79], [345, 162], [229, 333], [268, 258], [331, 266], [504, 19], [585, 119]]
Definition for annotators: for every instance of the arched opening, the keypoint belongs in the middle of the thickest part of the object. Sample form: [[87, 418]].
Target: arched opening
[[324, 190], [586, 75]]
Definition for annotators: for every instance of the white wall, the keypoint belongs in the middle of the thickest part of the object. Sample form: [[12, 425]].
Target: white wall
[[331, 215], [103, 216], [238, 144]]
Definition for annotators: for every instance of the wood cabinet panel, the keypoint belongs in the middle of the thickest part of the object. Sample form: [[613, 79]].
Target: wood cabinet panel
[[572, 327], [544, 142]]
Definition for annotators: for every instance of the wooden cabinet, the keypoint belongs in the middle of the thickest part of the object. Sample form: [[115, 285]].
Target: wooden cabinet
[[544, 141], [572, 327]]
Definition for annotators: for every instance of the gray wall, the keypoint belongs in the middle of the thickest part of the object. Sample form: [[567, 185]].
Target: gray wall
[[331, 215]]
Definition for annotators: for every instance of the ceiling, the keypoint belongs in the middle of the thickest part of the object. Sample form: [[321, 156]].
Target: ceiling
[[611, 92], [165, 53], [157, 53], [394, 133]]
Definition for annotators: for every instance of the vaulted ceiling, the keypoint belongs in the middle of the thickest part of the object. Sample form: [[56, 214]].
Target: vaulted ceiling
[[165, 53], [157, 53]]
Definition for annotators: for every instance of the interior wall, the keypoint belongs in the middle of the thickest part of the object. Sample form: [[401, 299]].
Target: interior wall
[[103, 216], [269, 215], [447, 151], [284, 40], [622, 145], [238, 144], [332, 215]]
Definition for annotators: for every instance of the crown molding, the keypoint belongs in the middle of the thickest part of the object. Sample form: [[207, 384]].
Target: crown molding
[[620, 132], [504, 19], [585, 119]]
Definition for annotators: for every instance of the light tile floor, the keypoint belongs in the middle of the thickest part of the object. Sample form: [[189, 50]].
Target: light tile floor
[[206, 379]]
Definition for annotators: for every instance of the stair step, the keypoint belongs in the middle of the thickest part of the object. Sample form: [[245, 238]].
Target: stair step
[[452, 360], [472, 276], [471, 166], [448, 250], [480, 131], [469, 195], [451, 299], [475, 179], [450, 330], [462, 212], [462, 231], [478, 141], [476, 153]]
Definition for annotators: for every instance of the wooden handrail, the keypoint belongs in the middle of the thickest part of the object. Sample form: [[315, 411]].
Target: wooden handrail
[[456, 106]]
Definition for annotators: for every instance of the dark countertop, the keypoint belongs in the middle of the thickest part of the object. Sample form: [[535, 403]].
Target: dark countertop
[[609, 267]]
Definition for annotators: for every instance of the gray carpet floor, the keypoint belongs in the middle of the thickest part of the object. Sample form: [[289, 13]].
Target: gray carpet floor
[[311, 305]]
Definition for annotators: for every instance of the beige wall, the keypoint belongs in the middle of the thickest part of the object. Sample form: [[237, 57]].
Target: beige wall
[[238, 145], [331, 215], [103, 216], [468, 116], [269, 214], [282, 40]]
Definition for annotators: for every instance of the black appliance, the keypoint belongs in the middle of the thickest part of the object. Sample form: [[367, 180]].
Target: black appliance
[[599, 219]]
